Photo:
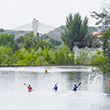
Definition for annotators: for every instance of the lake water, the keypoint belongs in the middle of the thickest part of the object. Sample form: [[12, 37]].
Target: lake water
[[15, 96]]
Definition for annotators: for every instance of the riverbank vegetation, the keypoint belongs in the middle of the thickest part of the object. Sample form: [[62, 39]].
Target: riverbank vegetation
[[29, 50], [102, 59]]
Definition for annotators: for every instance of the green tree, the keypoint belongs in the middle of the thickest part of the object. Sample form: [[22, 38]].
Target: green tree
[[6, 55], [63, 56], [41, 61], [39, 52], [2, 30], [106, 43], [103, 64], [42, 44], [19, 55], [76, 30], [9, 41], [47, 56], [27, 41], [84, 57], [103, 21]]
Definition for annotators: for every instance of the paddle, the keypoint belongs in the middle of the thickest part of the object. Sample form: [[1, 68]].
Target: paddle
[[79, 84], [76, 87], [27, 85]]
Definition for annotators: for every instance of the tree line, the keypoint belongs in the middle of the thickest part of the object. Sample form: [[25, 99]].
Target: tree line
[[29, 50]]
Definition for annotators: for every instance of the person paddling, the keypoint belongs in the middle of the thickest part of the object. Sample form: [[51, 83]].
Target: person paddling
[[75, 87], [55, 87], [29, 88], [46, 71]]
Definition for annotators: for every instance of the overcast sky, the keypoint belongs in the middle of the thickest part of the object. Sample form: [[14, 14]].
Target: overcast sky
[[15, 13]]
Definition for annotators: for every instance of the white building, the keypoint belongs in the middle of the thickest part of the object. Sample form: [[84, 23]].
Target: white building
[[35, 25]]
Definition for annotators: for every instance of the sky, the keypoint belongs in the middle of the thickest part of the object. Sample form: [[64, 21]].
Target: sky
[[15, 13]]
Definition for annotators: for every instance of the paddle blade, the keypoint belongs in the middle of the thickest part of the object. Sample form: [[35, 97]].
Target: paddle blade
[[79, 84], [25, 84]]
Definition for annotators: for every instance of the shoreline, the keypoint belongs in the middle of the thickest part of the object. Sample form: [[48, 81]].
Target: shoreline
[[37, 65]]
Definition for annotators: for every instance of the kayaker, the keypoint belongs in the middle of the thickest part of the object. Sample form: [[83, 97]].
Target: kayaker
[[46, 71], [75, 88], [29, 88], [55, 87]]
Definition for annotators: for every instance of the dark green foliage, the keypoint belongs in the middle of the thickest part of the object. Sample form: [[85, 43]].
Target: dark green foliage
[[84, 29], [6, 55], [63, 56], [27, 41], [84, 57], [54, 42], [103, 63], [103, 60], [42, 44], [76, 30], [106, 43], [2, 30], [28, 50], [20, 39], [9, 41], [47, 55]]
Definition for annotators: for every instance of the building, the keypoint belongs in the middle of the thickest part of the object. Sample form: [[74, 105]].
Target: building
[[35, 25]]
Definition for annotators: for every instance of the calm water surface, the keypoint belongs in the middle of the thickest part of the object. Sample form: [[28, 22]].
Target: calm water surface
[[14, 95]]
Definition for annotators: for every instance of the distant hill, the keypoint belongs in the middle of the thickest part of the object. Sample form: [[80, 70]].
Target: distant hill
[[17, 33], [53, 35], [56, 33]]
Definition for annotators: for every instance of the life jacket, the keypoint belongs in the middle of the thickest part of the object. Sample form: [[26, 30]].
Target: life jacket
[[55, 87], [46, 71], [75, 88], [29, 88]]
